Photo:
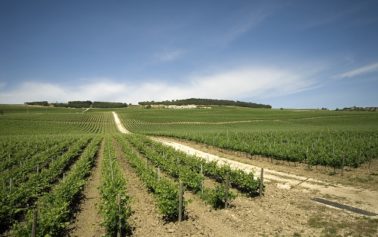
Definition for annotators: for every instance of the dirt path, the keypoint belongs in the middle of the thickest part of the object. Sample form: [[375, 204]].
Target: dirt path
[[86, 110], [88, 220], [361, 198], [119, 124]]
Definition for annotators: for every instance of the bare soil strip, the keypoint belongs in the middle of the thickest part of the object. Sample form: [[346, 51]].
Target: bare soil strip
[[88, 220], [119, 124], [362, 198]]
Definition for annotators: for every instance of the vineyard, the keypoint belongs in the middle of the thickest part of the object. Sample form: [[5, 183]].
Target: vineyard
[[50, 156], [327, 138]]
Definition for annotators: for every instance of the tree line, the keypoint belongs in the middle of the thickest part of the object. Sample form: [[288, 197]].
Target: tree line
[[196, 101], [80, 104]]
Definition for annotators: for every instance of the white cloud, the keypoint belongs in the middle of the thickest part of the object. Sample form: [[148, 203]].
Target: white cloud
[[171, 55], [359, 71], [256, 83]]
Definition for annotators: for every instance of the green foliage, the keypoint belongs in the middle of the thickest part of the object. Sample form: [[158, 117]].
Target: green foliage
[[41, 103], [114, 208], [218, 197], [165, 191], [314, 137], [53, 121], [79, 104], [167, 163], [87, 104], [98, 104], [55, 208], [17, 200], [187, 168]]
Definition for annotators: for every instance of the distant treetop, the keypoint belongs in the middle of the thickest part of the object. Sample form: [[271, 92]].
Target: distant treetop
[[81, 104], [355, 108], [196, 101], [40, 103]]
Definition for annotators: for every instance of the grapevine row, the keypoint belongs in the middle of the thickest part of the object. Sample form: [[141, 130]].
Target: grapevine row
[[177, 161], [56, 207], [114, 207], [18, 199], [165, 191]]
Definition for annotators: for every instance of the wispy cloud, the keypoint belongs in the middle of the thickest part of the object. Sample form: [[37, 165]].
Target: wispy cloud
[[243, 24], [358, 71], [170, 55], [239, 83]]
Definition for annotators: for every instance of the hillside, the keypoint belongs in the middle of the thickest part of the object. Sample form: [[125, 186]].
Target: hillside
[[198, 101]]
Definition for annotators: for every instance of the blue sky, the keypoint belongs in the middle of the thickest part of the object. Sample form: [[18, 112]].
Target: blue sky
[[298, 54]]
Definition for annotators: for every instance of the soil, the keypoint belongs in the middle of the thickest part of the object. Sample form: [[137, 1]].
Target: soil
[[88, 220]]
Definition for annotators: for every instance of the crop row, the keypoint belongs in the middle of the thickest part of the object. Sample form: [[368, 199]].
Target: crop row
[[114, 207], [165, 191], [17, 149], [328, 148], [18, 174], [17, 200], [218, 197], [189, 168], [53, 123], [55, 208]]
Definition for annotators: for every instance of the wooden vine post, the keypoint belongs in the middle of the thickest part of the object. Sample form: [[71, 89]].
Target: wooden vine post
[[202, 176], [227, 189], [181, 193], [261, 192]]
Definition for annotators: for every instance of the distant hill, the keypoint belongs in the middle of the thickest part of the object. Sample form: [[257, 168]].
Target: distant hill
[[196, 101]]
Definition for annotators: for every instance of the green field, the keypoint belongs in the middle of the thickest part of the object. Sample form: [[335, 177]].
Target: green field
[[47, 155], [316, 137]]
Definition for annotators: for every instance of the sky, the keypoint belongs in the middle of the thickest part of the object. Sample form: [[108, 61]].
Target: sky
[[292, 54]]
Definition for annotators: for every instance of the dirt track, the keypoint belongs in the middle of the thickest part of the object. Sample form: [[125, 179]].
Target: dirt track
[[119, 124], [88, 220]]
